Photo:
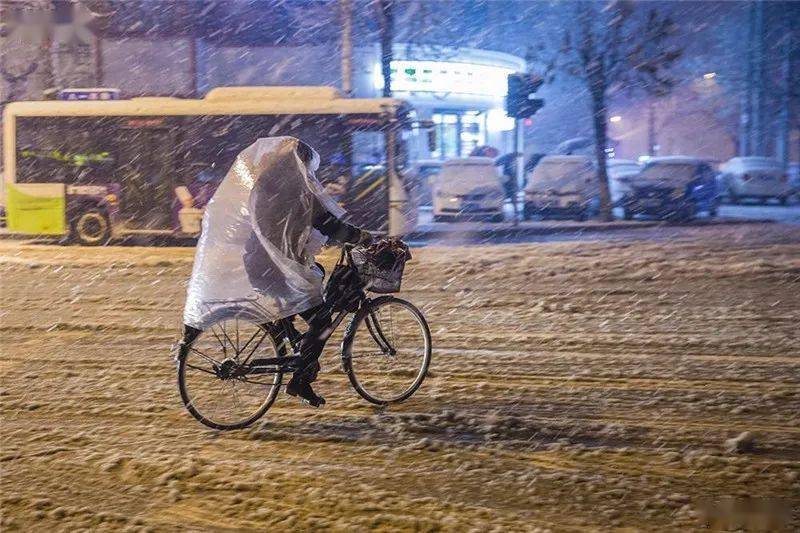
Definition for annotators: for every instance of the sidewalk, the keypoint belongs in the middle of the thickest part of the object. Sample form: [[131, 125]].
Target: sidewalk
[[509, 230], [487, 230]]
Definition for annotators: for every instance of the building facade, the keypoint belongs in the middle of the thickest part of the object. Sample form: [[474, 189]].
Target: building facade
[[461, 90]]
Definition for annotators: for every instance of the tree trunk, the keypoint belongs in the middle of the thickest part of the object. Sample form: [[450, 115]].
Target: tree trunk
[[759, 90], [396, 198], [346, 14], [746, 119], [599, 112], [651, 127], [386, 24], [785, 101]]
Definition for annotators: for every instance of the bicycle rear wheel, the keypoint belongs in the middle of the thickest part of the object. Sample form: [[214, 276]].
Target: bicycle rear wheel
[[216, 386], [387, 350]]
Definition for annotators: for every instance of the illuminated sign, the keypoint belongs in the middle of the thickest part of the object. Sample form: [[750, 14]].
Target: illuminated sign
[[88, 94], [447, 77]]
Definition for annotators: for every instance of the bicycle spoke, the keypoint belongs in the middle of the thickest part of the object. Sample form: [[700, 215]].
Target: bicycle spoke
[[372, 354], [204, 356], [237, 400], [201, 369], [266, 333], [228, 338], [221, 344], [250, 340], [235, 396]]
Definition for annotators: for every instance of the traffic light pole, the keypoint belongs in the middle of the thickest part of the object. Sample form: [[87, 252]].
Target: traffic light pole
[[518, 167], [520, 103]]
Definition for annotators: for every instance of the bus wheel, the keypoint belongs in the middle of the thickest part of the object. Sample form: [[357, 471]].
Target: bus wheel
[[91, 228]]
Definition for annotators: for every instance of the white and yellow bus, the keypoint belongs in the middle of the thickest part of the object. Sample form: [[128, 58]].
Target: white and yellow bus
[[96, 170]]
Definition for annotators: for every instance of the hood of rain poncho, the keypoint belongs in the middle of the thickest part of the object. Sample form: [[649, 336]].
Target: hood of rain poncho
[[255, 256]]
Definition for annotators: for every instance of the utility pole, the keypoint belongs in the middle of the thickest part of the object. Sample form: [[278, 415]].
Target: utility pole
[[521, 104], [782, 143], [386, 23], [651, 127], [398, 196], [746, 118], [346, 12], [758, 106], [519, 168], [191, 15]]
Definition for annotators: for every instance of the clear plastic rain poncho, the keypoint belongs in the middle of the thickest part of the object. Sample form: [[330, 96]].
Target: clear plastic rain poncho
[[255, 256]]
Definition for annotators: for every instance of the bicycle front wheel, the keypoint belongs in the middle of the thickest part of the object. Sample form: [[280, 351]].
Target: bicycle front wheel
[[387, 350], [216, 380]]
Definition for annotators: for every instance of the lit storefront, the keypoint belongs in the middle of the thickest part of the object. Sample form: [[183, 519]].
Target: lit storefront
[[463, 94]]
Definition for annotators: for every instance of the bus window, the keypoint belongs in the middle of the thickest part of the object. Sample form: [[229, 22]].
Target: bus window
[[204, 150], [146, 174], [210, 144], [367, 197], [62, 150]]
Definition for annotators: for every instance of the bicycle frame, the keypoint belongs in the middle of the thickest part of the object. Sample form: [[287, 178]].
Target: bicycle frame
[[289, 333]]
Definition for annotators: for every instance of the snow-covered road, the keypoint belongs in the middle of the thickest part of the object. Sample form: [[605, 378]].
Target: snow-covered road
[[575, 385]]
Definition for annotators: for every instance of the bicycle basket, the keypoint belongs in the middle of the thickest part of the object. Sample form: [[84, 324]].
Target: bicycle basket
[[381, 265]]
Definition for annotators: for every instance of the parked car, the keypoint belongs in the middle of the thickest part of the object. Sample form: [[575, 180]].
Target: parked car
[[620, 174], [673, 187], [563, 186], [757, 178], [468, 187], [794, 181], [425, 171]]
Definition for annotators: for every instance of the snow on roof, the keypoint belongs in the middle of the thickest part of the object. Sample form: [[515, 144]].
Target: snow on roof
[[564, 158], [619, 162], [227, 94], [676, 160], [474, 160], [753, 161], [220, 101]]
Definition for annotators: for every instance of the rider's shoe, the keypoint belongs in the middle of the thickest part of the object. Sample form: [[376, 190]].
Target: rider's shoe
[[302, 388]]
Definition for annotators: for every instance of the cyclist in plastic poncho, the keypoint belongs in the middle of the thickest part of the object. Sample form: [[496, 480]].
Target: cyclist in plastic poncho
[[261, 230]]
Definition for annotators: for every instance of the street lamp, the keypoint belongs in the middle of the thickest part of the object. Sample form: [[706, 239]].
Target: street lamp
[[709, 75], [615, 118]]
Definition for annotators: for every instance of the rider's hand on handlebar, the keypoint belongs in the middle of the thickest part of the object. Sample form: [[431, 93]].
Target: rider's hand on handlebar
[[365, 238]]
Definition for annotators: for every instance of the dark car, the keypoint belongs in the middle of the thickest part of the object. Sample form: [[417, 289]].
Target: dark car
[[674, 188]]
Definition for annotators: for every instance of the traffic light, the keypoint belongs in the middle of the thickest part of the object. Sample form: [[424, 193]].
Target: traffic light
[[520, 101]]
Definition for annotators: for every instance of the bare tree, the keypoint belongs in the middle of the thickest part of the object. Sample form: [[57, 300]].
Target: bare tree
[[612, 47], [385, 15]]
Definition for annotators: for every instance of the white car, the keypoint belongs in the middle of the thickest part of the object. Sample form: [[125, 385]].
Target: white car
[[425, 171], [620, 174], [759, 178], [468, 187], [562, 185]]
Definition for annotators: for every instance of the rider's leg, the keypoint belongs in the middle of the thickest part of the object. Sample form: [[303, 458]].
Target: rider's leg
[[311, 346], [313, 341]]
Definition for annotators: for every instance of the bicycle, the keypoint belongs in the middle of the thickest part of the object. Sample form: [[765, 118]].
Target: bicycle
[[385, 351]]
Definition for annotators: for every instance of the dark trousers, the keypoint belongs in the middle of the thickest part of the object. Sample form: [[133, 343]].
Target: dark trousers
[[313, 341]]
